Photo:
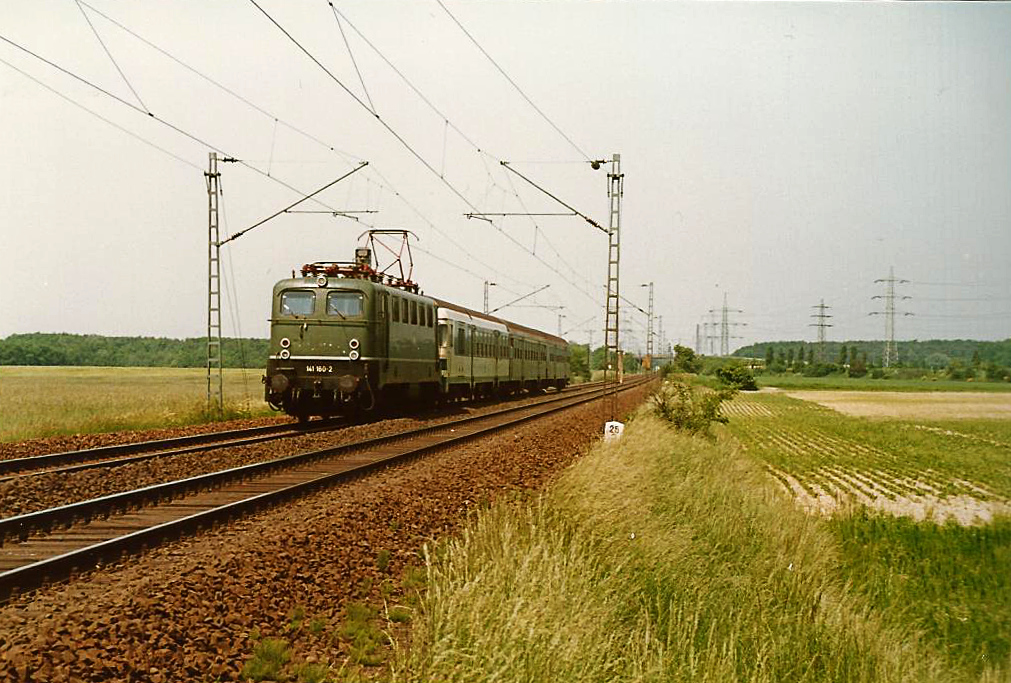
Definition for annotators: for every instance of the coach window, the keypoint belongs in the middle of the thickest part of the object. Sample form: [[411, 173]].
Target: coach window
[[296, 302], [444, 335], [345, 304]]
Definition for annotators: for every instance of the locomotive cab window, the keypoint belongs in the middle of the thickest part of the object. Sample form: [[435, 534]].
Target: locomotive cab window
[[297, 302], [345, 304]]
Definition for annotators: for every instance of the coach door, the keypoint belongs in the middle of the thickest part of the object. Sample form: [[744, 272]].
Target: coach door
[[471, 345], [383, 336]]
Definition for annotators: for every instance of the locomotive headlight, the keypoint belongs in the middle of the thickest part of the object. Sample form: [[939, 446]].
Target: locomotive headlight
[[285, 353], [321, 281], [353, 355], [285, 342], [354, 344]]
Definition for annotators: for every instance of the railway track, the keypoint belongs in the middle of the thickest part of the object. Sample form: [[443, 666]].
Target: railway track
[[122, 454], [53, 544]]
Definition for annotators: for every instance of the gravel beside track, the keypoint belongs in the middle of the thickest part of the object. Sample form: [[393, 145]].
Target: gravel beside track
[[39, 492], [184, 612]]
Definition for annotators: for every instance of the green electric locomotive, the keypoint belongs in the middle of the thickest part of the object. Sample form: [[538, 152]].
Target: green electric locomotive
[[345, 337]]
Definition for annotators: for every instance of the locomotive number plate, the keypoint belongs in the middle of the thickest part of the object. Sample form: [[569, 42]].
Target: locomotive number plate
[[319, 369]]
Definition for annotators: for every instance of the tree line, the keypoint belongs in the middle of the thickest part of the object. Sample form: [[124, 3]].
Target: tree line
[[91, 349], [930, 354]]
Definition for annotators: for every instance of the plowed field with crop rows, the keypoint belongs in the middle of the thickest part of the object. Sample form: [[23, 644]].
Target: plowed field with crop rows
[[831, 463]]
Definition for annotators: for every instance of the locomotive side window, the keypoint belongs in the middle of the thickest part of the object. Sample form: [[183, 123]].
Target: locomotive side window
[[431, 317], [461, 340], [395, 317], [345, 304], [414, 312], [296, 302]]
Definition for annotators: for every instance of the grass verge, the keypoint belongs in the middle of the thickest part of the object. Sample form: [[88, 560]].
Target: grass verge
[[660, 557]]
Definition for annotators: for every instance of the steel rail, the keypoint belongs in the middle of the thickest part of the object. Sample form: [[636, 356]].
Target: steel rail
[[33, 575], [33, 462], [292, 431]]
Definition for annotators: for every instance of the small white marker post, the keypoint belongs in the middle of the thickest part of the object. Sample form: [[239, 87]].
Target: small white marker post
[[613, 430]]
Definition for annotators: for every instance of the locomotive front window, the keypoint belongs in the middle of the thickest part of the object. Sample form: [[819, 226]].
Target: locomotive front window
[[345, 304], [297, 302]]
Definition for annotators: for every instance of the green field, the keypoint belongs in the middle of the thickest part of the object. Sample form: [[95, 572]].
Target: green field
[[840, 382], [48, 401], [829, 453], [919, 509]]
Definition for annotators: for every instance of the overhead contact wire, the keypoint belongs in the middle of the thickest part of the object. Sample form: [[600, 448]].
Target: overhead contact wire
[[154, 117], [512, 82], [392, 131], [102, 118], [109, 54], [361, 80], [247, 102], [309, 136]]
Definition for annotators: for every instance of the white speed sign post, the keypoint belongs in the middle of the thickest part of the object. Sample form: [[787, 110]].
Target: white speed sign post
[[613, 430]]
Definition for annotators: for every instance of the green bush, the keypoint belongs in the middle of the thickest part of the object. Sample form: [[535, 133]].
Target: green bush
[[737, 377], [688, 410], [858, 368], [820, 369]]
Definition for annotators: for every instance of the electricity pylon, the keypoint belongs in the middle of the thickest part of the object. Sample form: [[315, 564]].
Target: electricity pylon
[[821, 317], [891, 350]]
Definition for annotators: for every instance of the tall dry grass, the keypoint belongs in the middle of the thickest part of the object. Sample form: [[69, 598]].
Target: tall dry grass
[[49, 401], [657, 558]]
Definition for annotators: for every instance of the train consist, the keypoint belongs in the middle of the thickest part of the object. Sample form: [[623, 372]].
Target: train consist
[[346, 337]]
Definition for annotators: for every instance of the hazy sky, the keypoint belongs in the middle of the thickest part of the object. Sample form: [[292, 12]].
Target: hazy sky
[[781, 153]]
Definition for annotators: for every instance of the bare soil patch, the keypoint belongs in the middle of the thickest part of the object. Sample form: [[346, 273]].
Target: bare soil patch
[[928, 405]]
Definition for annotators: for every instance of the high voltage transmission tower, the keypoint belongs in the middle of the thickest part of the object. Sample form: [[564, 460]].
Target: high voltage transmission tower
[[821, 317], [725, 325], [709, 335], [891, 351]]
